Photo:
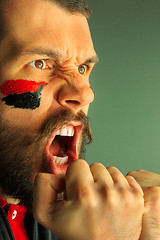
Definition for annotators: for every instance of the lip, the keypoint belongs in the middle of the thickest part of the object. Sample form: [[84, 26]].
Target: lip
[[72, 152]]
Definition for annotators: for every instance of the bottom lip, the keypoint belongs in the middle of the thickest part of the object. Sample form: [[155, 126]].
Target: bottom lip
[[58, 169]]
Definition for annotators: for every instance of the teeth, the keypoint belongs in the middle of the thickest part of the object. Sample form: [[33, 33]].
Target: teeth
[[61, 160], [66, 131], [70, 131]]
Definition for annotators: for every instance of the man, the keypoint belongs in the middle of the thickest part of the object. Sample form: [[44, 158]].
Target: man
[[46, 58]]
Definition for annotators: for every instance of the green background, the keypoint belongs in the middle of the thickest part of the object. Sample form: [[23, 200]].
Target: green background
[[125, 116]]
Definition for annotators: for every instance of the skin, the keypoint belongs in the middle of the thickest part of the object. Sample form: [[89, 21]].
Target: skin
[[150, 183], [104, 204]]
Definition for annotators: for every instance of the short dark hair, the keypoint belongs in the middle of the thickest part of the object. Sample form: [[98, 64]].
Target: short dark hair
[[72, 6]]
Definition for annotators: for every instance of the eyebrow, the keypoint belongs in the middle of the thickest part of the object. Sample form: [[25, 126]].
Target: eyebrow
[[54, 54], [41, 51], [93, 59]]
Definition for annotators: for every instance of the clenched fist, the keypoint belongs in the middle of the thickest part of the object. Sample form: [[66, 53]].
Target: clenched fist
[[99, 204]]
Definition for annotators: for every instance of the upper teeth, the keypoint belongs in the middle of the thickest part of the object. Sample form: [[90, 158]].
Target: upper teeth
[[66, 131]]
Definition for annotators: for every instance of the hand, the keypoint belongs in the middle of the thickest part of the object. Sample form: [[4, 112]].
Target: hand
[[151, 220], [145, 178], [100, 204]]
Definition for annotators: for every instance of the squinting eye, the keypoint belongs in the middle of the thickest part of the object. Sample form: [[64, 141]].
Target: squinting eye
[[82, 69], [41, 64]]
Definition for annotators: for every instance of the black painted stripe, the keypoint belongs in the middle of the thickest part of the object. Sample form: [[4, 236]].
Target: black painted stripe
[[28, 100]]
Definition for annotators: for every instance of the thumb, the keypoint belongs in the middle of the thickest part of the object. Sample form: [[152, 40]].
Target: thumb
[[45, 191]]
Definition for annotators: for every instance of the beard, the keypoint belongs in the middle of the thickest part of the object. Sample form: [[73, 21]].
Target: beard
[[23, 156]]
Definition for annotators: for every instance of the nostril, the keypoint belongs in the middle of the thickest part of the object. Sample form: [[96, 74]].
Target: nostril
[[72, 102]]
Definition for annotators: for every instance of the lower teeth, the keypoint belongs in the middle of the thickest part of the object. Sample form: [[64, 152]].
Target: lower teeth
[[61, 160]]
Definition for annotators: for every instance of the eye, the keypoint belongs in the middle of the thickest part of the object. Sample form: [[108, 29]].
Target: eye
[[82, 69], [40, 64]]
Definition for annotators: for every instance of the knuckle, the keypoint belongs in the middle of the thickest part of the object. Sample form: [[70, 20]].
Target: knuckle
[[124, 197], [84, 191], [112, 169], [79, 162], [129, 178], [132, 198], [108, 192], [85, 197], [120, 197], [111, 197], [95, 165]]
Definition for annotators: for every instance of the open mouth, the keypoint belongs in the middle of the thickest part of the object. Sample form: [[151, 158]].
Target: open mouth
[[62, 147]]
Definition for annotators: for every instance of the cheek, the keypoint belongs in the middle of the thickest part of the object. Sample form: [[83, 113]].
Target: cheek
[[31, 120], [22, 94]]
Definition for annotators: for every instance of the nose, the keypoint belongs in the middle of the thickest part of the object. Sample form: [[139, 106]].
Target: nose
[[75, 95]]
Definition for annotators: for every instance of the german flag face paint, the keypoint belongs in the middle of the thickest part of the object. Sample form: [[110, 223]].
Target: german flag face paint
[[22, 93]]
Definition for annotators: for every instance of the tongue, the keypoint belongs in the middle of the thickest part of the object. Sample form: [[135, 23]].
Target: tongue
[[56, 149]]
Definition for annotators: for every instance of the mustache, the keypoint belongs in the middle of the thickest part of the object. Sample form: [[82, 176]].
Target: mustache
[[60, 118]]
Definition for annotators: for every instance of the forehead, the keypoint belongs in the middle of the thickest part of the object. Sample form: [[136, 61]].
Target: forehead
[[44, 24]]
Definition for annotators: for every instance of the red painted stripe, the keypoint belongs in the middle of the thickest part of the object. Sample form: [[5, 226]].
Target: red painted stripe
[[19, 86]]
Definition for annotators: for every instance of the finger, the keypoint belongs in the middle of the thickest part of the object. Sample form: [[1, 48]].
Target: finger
[[142, 173], [145, 178], [133, 184], [78, 180], [46, 188], [117, 176], [101, 175], [136, 173], [139, 176]]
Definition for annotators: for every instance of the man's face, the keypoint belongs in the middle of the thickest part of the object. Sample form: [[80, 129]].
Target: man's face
[[45, 62]]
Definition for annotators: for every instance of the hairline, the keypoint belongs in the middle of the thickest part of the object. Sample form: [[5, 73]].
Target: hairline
[[86, 11]]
